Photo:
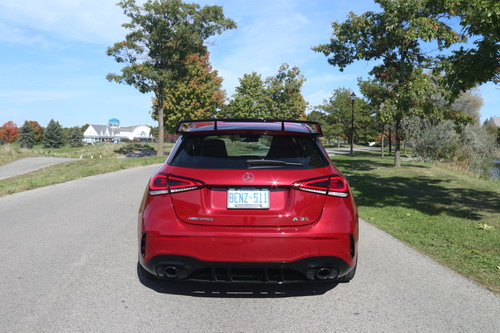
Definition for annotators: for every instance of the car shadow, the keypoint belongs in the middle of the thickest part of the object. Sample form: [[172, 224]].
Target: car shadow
[[236, 289]]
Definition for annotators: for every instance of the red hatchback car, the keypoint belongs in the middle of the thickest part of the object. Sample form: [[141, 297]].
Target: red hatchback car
[[248, 200]]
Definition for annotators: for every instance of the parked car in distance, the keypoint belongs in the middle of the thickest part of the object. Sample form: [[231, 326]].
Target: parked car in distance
[[248, 200]]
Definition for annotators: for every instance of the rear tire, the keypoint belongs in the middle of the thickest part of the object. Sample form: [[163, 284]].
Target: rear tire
[[143, 273], [348, 277]]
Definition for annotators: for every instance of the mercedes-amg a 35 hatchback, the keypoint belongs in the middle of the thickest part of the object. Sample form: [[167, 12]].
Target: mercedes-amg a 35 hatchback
[[248, 200]]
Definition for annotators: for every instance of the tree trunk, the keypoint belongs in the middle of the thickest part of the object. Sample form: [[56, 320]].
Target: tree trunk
[[382, 148], [397, 153], [161, 128], [390, 140]]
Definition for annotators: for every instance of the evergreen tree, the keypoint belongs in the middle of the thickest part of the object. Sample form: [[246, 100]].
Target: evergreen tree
[[26, 136], [53, 135], [76, 137]]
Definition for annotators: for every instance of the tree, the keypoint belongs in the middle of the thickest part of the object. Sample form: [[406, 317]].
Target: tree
[[197, 95], [8, 132], [250, 99], [469, 103], [285, 96], [339, 116], [76, 137], [396, 36], [163, 33], [322, 118], [278, 97], [26, 136], [37, 129], [470, 66], [53, 135]]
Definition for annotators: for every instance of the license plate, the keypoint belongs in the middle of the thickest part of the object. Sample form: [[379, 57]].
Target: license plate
[[248, 198]]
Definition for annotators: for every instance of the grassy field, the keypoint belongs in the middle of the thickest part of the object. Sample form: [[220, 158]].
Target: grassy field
[[69, 171], [12, 152], [449, 215], [104, 160]]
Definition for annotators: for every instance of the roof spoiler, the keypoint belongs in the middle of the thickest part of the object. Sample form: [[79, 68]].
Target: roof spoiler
[[188, 125]]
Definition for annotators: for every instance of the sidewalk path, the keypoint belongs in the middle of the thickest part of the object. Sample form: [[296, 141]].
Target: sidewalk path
[[26, 165]]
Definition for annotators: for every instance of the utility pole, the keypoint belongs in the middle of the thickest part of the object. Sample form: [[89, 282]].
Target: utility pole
[[353, 98]]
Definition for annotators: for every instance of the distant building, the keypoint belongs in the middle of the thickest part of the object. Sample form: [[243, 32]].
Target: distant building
[[494, 121], [112, 132]]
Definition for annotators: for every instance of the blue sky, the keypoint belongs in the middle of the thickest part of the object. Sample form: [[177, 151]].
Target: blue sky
[[53, 62]]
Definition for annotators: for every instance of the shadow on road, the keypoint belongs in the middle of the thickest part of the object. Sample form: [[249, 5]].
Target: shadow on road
[[235, 290]]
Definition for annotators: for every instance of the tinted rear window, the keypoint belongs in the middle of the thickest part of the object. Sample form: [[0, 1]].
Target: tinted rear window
[[248, 151]]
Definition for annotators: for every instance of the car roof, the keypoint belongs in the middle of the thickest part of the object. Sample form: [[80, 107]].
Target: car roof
[[274, 125]]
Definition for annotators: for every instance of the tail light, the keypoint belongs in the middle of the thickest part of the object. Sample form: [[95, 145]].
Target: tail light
[[333, 185], [164, 184]]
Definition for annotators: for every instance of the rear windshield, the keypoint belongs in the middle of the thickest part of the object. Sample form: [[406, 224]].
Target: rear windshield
[[248, 151]]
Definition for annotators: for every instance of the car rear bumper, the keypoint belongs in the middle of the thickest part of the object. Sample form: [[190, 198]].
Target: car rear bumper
[[265, 257], [174, 267]]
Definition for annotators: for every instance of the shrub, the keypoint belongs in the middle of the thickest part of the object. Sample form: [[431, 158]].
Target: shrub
[[472, 148], [132, 147], [477, 149], [432, 141]]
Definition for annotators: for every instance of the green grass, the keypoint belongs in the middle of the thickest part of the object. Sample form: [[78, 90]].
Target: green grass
[[447, 214], [69, 171], [104, 160], [12, 152]]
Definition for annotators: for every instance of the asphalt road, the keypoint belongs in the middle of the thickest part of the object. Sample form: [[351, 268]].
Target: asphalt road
[[68, 255], [26, 165]]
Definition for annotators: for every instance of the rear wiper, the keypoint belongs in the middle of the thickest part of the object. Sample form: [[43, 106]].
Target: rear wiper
[[265, 163]]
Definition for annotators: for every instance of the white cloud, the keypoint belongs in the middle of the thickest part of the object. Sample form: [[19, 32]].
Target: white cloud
[[12, 34], [88, 21], [317, 97], [268, 35]]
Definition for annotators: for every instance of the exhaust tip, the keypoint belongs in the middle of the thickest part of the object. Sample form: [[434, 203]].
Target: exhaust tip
[[171, 272], [325, 273]]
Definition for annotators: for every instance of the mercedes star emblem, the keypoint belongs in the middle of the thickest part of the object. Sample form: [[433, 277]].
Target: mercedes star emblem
[[248, 177]]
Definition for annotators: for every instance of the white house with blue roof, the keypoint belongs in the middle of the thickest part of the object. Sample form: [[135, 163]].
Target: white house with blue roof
[[113, 132]]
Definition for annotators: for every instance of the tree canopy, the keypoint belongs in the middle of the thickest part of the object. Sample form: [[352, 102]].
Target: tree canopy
[[197, 95], [395, 36], [8, 132], [279, 96], [250, 99], [285, 94], [163, 34], [478, 62], [338, 110]]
